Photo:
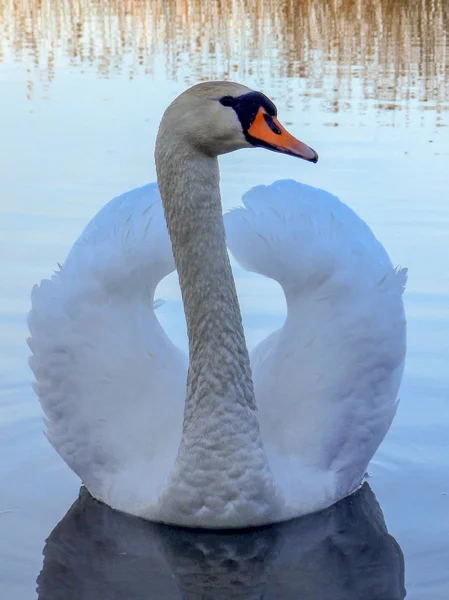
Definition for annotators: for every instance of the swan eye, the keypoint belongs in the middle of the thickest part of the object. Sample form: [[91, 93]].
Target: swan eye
[[227, 101]]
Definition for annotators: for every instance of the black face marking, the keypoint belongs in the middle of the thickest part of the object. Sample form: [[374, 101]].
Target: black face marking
[[227, 101], [271, 124], [247, 107]]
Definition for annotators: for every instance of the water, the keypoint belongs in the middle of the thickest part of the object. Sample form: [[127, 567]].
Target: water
[[366, 84]]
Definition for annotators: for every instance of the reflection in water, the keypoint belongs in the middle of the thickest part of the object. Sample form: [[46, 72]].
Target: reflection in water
[[397, 52], [342, 553]]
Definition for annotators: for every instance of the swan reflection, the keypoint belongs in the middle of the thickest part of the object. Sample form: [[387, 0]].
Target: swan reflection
[[344, 552]]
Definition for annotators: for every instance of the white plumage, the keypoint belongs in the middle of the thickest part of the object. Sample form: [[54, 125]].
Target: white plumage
[[112, 384], [181, 441], [326, 383]]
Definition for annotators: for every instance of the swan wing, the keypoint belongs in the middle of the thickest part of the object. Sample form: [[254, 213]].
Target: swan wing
[[327, 381], [110, 382]]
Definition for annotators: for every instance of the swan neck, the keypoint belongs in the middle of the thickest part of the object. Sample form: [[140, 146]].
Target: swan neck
[[219, 367], [221, 475]]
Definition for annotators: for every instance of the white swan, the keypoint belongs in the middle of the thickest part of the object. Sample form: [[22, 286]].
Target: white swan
[[113, 386]]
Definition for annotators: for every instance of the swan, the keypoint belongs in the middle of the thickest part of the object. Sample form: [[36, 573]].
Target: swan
[[217, 441]]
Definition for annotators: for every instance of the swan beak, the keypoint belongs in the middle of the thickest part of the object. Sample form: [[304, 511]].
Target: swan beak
[[266, 131]]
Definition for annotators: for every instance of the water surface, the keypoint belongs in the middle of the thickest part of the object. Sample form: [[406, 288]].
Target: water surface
[[366, 84]]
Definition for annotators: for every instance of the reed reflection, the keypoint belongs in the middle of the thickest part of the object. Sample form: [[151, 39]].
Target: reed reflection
[[344, 552], [396, 52]]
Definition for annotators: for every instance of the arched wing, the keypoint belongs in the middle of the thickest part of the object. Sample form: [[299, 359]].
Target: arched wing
[[327, 381], [109, 380]]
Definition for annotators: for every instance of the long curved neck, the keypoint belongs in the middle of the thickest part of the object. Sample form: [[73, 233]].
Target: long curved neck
[[219, 367], [221, 476]]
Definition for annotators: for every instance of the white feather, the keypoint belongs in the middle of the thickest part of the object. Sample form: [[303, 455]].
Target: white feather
[[112, 385], [327, 382], [110, 381]]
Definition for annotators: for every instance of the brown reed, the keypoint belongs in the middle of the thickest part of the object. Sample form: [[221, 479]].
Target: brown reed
[[396, 50]]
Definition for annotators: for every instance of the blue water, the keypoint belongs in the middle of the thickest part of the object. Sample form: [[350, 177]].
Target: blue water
[[79, 128]]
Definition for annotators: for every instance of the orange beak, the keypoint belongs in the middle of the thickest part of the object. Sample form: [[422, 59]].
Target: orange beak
[[269, 133]]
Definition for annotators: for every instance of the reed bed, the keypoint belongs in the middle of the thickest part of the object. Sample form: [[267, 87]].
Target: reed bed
[[396, 50]]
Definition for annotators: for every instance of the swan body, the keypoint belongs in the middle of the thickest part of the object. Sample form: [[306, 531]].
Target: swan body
[[179, 439]]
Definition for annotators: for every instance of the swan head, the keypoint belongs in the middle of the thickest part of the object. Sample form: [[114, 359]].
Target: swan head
[[218, 117]]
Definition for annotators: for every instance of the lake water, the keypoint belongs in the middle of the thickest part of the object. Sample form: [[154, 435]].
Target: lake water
[[366, 83]]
